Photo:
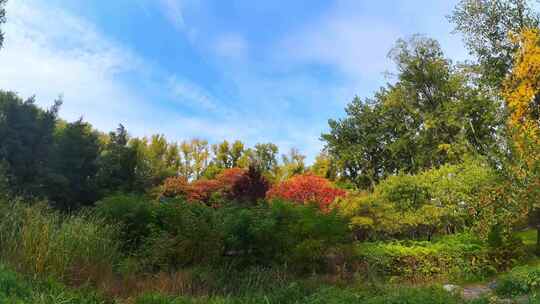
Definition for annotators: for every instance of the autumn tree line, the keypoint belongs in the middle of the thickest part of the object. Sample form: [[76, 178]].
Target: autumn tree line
[[435, 174]]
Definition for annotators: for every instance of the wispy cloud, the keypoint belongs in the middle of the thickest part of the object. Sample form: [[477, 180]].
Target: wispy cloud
[[190, 94], [173, 10]]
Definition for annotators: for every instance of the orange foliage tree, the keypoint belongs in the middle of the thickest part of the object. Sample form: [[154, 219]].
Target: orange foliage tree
[[305, 189]]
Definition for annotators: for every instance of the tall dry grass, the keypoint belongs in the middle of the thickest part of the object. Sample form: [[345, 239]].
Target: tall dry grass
[[40, 242]]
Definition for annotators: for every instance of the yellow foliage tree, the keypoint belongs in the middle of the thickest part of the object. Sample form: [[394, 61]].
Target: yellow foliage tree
[[521, 91]]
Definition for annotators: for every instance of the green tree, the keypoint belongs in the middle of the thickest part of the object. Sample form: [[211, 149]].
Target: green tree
[[73, 166], [26, 138], [157, 159], [264, 158], [293, 163], [485, 25], [428, 117], [118, 164]]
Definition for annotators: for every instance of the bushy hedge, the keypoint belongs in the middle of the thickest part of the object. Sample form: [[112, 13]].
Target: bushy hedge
[[461, 257]]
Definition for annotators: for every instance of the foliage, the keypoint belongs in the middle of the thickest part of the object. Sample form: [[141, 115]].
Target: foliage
[[429, 117], [2, 20], [118, 164], [176, 186], [461, 256], [133, 213], [183, 234], [71, 181], [521, 92], [305, 189], [521, 280], [14, 289], [437, 201], [485, 25], [26, 139]]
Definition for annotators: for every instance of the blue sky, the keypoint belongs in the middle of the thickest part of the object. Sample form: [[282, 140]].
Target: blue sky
[[259, 71]]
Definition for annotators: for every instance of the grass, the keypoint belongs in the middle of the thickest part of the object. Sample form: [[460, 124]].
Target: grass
[[14, 289]]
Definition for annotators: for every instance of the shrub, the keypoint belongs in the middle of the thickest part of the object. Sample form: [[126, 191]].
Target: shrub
[[234, 184], [206, 191], [284, 233], [183, 234], [176, 186], [134, 215], [306, 189], [461, 256], [250, 187], [437, 201], [521, 280]]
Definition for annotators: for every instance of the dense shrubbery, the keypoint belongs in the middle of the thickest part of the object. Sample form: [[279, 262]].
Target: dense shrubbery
[[461, 257], [174, 233], [521, 280], [437, 201]]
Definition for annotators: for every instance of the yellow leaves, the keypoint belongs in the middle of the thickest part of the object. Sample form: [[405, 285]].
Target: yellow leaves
[[521, 87]]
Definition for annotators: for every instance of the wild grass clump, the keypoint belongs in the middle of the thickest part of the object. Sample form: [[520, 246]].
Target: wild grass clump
[[43, 243], [14, 289]]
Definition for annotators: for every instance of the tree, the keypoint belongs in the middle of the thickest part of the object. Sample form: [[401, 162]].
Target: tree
[[157, 159], [485, 25], [324, 166], [430, 116], [194, 159], [73, 166], [292, 164], [26, 139], [521, 91], [118, 164], [2, 20]]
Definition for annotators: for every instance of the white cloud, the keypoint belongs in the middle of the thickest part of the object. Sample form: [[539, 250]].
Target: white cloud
[[49, 53], [353, 44]]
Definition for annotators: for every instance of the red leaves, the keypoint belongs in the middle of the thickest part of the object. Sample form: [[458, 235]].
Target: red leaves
[[307, 189], [233, 184], [174, 186]]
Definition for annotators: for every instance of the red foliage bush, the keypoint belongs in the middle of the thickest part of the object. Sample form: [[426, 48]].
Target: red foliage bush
[[203, 189], [233, 184], [174, 187], [305, 189]]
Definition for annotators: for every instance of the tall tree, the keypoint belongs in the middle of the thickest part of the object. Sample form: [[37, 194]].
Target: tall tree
[[26, 138], [264, 159], [521, 91], [485, 25], [118, 164], [428, 117], [73, 166]]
